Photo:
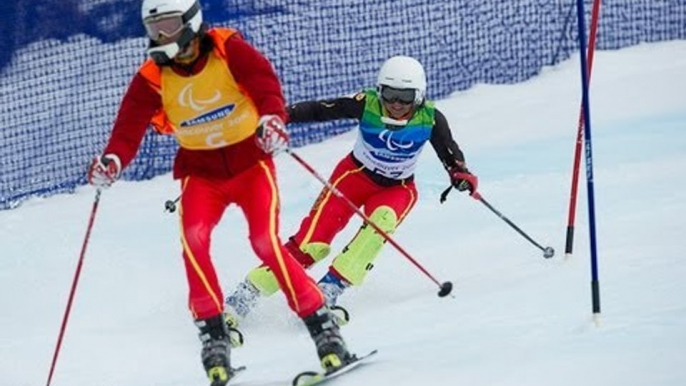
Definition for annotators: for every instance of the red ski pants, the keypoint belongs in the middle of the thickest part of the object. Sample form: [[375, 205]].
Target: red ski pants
[[203, 202], [330, 214]]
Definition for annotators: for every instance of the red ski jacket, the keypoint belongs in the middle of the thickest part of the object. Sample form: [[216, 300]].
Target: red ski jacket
[[142, 104]]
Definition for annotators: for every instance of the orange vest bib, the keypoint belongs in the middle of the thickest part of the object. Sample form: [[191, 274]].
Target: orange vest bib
[[207, 110]]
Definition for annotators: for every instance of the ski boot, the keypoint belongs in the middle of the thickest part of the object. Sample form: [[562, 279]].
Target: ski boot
[[332, 287], [331, 348], [216, 350]]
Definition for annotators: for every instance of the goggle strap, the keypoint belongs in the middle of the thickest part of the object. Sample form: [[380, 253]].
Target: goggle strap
[[192, 11]]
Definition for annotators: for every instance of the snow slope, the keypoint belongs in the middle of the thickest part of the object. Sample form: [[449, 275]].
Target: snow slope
[[515, 317]]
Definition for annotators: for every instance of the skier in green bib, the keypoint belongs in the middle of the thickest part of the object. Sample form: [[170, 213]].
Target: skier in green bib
[[395, 122]]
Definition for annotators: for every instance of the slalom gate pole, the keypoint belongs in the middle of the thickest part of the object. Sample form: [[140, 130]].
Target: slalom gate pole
[[595, 284], [569, 243], [444, 288], [75, 282]]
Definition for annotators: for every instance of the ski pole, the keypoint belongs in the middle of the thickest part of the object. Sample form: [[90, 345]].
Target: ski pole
[[444, 288], [75, 282], [170, 205], [548, 252]]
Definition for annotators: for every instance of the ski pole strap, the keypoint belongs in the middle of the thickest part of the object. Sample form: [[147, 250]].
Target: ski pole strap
[[444, 195]]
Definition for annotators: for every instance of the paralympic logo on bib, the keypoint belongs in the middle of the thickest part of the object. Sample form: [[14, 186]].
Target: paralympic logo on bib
[[186, 99], [386, 136]]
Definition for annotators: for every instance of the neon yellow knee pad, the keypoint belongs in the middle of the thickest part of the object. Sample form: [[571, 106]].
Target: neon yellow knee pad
[[357, 257], [263, 278], [318, 251]]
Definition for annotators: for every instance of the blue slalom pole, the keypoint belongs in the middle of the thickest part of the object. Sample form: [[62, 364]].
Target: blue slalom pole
[[595, 284]]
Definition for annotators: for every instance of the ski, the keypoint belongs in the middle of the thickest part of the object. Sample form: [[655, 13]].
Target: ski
[[311, 378]]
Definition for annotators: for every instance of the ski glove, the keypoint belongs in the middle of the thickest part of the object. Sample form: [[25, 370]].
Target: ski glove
[[272, 137], [462, 179], [104, 170]]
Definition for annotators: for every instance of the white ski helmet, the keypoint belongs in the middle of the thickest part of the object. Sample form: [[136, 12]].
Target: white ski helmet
[[403, 72], [169, 18]]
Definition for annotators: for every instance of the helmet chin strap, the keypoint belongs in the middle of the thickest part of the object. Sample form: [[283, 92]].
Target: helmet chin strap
[[188, 53], [163, 54]]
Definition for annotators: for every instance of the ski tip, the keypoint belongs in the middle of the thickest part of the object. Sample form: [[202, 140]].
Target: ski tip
[[307, 378], [311, 378]]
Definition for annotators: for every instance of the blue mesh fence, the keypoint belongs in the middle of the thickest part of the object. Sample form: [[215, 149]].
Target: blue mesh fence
[[67, 63]]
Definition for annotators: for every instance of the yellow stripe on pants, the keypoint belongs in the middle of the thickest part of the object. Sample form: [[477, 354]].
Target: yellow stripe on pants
[[274, 238]]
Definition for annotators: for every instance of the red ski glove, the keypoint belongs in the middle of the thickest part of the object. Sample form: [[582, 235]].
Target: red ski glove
[[462, 179], [271, 134], [104, 170]]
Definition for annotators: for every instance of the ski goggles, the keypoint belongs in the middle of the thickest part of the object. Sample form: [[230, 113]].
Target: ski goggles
[[161, 26], [169, 24], [404, 96]]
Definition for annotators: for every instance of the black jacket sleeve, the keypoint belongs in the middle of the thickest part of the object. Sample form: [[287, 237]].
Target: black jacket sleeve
[[327, 110], [442, 141]]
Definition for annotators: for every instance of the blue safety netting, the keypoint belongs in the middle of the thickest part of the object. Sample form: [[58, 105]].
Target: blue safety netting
[[66, 63]]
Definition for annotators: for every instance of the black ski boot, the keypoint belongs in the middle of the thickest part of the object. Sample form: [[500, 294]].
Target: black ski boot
[[216, 349], [331, 347]]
